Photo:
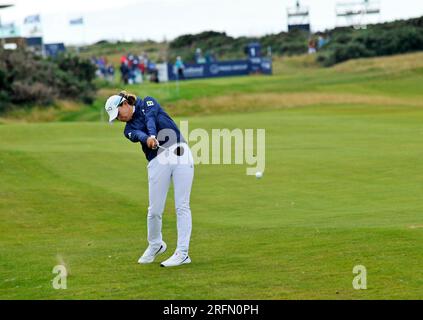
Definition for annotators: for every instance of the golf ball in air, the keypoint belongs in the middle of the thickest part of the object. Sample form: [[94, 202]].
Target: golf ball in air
[[259, 175]]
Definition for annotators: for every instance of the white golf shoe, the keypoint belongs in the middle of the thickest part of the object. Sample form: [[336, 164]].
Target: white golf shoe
[[151, 253], [177, 259]]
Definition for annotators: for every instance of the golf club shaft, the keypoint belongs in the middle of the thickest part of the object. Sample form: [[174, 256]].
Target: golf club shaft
[[159, 146]]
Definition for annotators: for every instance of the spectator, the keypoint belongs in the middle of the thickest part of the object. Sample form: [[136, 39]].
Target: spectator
[[110, 73], [311, 46], [144, 57], [142, 67], [322, 41], [210, 57], [154, 76], [124, 70], [199, 56], [179, 66], [103, 67], [154, 73], [135, 70]]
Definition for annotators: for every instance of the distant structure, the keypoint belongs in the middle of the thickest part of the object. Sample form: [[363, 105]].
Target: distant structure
[[298, 18], [3, 6], [358, 13]]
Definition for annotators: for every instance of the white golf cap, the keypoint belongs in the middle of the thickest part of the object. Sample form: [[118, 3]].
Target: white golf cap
[[112, 106]]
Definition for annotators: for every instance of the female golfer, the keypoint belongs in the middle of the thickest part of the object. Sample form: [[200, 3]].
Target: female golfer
[[169, 158]]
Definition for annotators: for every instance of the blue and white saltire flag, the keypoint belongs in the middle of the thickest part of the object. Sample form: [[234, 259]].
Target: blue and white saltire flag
[[32, 19], [75, 22]]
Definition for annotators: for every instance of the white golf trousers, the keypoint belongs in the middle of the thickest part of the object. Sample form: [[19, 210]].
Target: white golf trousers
[[166, 166]]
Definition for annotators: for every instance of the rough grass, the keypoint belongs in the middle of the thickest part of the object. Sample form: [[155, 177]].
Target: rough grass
[[389, 65], [271, 101]]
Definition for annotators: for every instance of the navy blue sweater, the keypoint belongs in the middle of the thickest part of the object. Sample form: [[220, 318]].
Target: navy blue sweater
[[149, 119]]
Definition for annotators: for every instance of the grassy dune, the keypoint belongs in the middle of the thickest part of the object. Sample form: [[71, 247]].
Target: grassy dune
[[342, 187], [297, 82]]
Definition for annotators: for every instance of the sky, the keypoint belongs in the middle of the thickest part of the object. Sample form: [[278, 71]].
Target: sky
[[166, 19]]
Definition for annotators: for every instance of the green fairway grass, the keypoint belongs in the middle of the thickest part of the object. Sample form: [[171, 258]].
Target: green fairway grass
[[342, 187]]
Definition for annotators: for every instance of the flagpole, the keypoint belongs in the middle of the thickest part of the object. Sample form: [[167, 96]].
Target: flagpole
[[83, 32], [42, 36], [79, 23]]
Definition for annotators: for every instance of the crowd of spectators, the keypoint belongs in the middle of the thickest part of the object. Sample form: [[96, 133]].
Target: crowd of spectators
[[133, 69], [136, 69], [105, 70], [209, 57]]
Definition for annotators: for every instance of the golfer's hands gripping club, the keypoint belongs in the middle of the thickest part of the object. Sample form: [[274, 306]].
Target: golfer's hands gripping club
[[152, 143]]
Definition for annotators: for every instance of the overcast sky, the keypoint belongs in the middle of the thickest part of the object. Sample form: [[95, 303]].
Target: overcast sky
[[159, 19]]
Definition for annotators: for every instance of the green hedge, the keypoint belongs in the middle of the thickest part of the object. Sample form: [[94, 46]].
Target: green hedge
[[27, 79], [344, 43], [226, 47], [377, 40]]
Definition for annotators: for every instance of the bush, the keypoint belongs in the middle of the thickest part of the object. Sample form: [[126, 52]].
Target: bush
[[378, 40], [226, 47], [340, 53], [191, 40], [39, 93], [76, 78], [27, 79]]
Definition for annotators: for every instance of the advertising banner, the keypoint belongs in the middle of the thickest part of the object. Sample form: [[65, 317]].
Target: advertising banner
[[222, 69]]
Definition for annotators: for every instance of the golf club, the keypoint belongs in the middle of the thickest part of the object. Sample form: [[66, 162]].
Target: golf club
[[178, 151]]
